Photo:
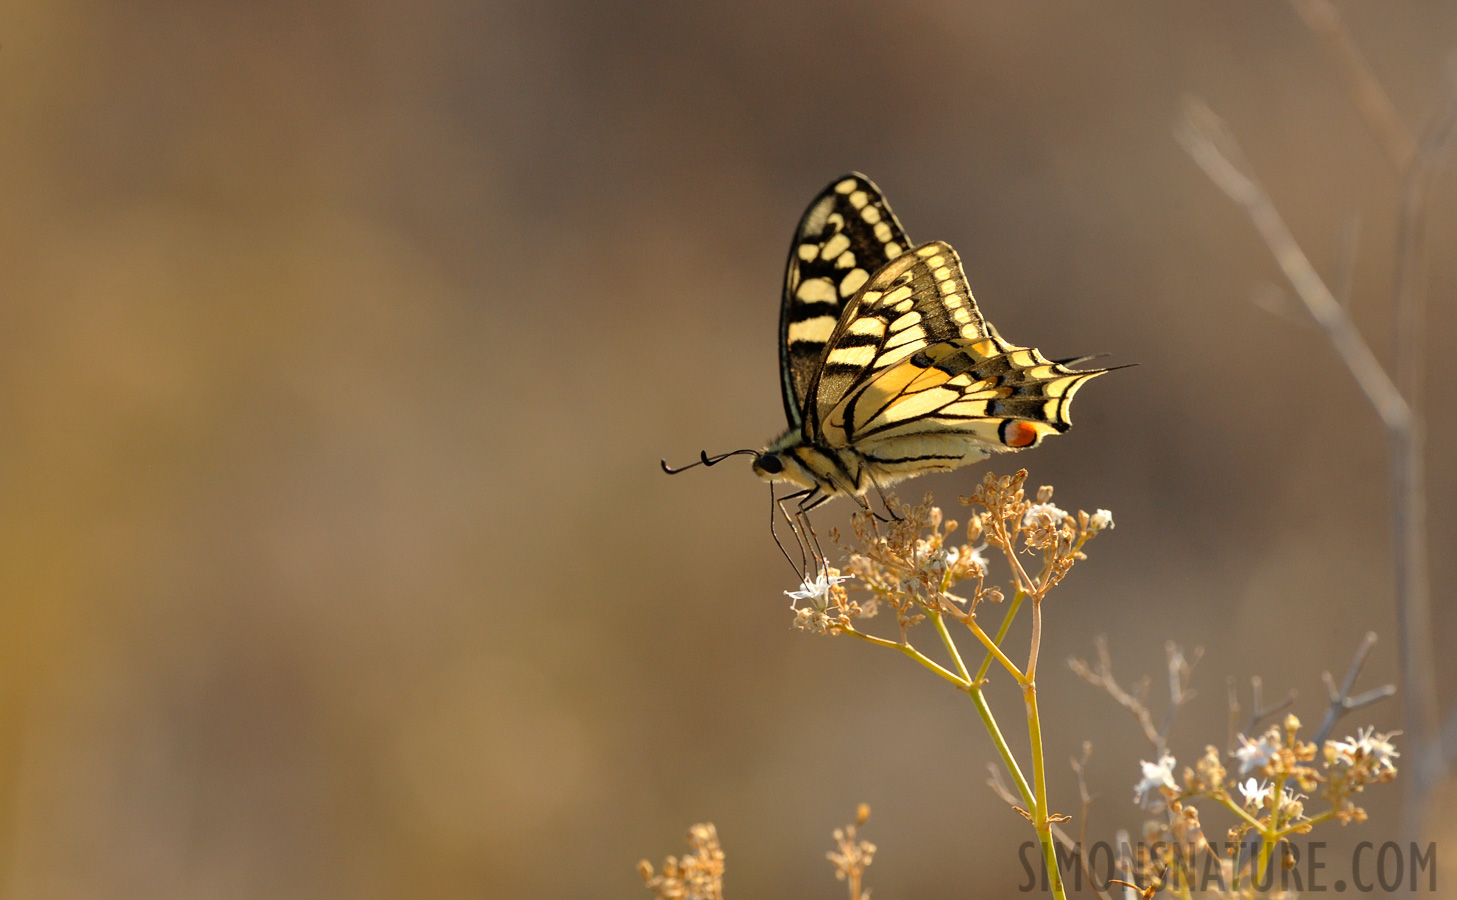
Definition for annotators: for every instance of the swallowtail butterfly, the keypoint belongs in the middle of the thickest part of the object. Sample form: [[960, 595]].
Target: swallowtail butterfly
[[888, 368]]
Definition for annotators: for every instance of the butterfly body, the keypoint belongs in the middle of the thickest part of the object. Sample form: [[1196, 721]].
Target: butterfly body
[[888, 368]]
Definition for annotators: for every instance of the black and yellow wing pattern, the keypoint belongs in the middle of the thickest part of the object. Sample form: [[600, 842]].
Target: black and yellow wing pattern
[[888, 368], [914, 379], [846, 235]]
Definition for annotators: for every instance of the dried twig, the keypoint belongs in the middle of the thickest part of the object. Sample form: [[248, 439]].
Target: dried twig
[[1366, 92], [1341, 701], [1258, 710], [1124, 843], [1419, 161], [1101, 676], [1209, 141], [1398, 402], [1181, 671], [1080, 765], [1346, 243], [1231, 688], [1409, 514], [1000, 788]]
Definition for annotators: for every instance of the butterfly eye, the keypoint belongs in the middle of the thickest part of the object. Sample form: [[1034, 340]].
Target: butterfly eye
[[769, 463]]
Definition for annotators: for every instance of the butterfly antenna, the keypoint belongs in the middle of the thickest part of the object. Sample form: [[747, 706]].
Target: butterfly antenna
[[705, 460]]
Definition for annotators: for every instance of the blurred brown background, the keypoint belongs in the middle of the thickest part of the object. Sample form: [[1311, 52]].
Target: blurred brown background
[[339, 344]]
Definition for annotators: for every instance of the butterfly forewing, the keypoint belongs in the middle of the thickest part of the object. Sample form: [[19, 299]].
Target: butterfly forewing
[[846, 235]]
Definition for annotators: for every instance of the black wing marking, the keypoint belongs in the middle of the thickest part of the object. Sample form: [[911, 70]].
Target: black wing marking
[[846, 234], [914, 372], [916, 300]]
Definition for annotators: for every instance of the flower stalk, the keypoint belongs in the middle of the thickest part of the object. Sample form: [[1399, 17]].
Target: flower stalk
[[910, 566]]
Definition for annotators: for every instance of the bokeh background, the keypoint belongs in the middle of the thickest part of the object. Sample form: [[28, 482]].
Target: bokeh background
[[339, 343]]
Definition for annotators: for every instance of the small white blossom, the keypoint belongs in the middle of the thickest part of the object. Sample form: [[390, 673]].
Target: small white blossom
[[1255, 794], [1102, 520], [978, 558], [1037, 510], [1367, 744], [1155, 775], [1254, 754], [817, 591]]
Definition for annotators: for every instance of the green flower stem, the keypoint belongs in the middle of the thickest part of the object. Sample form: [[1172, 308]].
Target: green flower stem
[[940, 624], [1039, 778], [994, 651], [1267, 846], [1299, 826], [986, 663], [1036, 799], [1029, 797], [1238, 810], [1008, 760], [913, 653]]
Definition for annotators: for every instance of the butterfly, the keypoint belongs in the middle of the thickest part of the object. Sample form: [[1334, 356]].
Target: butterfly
[[888, 369]]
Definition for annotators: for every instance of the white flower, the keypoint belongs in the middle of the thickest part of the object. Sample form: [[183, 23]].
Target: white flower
[[1254, 754], [1155, 775], [1037, 510], [1369, 745], [817, 591], [1101, 520], [978, 558], [1255, 794]]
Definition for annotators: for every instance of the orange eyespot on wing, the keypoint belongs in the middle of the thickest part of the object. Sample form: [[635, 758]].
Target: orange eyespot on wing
[[1019, 434]]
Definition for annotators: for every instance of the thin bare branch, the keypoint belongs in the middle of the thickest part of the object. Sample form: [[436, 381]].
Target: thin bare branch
[[1080, 766], [1000, 788], [1322, 17], [1341, 701], [1181, 671], [1258, 710], [1346, 244], [1124, 844], [1449, 737], [1209, 141], [1101, 676], [1408, 483], [1232, 691], [1277, 301]]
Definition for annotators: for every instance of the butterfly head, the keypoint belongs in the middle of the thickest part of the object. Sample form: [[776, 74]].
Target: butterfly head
[[780, 462], [769, 466]]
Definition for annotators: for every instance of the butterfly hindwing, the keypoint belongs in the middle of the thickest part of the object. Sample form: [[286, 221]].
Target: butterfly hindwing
[[918, 299], [915, 379], [847, 233]]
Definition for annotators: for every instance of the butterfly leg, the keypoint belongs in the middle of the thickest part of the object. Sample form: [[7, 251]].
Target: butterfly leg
[[799, 539], [804, 527], [894, 516]]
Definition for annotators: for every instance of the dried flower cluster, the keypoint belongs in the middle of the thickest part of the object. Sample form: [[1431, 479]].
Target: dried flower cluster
[[697, 876], [926, 569], [852, 856], [912, 563], [1275, 776]]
